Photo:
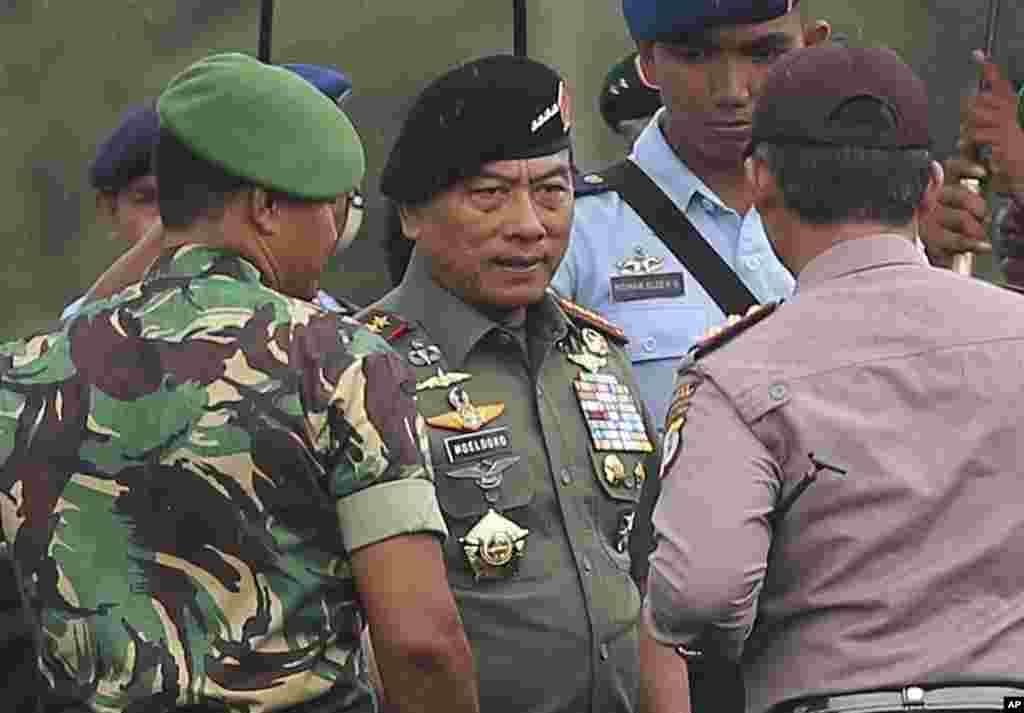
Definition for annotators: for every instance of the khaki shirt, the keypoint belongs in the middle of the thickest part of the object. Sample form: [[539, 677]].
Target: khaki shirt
[[559, 634], [905, 571]]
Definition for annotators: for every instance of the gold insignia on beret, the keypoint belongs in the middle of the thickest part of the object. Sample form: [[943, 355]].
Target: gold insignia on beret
[[593, 179]]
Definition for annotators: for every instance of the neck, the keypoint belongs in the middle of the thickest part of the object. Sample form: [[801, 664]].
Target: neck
[[819, 239]]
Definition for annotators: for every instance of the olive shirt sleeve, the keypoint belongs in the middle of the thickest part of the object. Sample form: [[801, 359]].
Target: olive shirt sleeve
[[383, 479], [711, 527]]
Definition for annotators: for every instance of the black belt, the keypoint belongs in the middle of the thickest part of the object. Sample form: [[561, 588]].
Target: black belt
[[910, 698]]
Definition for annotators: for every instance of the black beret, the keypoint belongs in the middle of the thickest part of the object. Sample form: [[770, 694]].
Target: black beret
[[625, 93], [492, 109], [127, 153], [841, 96]]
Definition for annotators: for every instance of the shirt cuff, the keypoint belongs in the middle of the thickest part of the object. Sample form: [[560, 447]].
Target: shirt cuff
[[400, 507]]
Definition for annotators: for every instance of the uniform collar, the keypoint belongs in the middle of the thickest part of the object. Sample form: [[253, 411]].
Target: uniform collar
[[194, 260], [457, 327], [858, 255], [653, 153]]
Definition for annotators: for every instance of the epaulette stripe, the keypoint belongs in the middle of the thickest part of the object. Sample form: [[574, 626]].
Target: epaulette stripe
[[702, 349], [594, 319]]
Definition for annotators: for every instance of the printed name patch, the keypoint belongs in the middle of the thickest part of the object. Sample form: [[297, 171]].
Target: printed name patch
[[473, 446], [628, 288]]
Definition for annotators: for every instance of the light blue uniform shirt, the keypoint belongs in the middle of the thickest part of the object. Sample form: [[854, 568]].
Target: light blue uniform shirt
[[607, 231]]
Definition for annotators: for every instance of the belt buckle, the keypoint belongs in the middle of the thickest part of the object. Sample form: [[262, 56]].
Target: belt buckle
[[912, 696]]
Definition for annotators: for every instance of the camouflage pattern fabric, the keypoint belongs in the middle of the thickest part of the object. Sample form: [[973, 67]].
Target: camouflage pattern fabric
[[173, 464]]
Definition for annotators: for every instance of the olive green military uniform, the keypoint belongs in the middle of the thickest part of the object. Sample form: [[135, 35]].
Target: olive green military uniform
[[553, 629]]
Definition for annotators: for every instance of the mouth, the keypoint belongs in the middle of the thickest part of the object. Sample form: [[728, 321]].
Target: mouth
[[519, 264]]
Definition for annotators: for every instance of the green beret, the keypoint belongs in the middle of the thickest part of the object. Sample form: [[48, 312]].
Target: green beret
[[265, 124]]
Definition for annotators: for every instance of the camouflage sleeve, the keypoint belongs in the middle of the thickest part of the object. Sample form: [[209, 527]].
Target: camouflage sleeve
[[384, 481]]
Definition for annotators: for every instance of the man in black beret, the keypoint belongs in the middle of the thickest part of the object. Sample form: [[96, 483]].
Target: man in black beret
[[539, 441], [841, 474]]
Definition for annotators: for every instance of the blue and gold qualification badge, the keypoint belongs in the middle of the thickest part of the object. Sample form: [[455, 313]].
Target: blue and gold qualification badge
[[494, 546]]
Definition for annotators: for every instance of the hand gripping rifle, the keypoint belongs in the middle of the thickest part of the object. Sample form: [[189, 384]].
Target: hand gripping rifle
[[963, 263]]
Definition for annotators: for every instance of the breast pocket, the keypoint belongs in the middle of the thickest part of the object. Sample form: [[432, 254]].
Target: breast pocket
[[621, 476], [660, 329], [464, 502]]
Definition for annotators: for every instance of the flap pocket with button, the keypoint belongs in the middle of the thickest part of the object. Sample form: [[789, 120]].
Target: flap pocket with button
[[659, 329]]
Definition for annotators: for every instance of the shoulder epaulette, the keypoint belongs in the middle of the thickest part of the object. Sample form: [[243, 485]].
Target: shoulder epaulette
[[591, 319], [730, 331], [590, 184], [383, 323]]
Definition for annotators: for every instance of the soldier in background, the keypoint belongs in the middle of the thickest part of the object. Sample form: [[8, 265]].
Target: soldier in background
[[838, 503], [539, 441], [146, 243], [210, 485], [628, 101], [963, 220]]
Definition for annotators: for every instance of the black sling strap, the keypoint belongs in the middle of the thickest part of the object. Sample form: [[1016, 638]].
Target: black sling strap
[[680, 236]]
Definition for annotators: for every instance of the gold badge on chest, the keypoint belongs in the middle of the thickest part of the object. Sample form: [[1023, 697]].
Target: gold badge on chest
[[466, 416], [494, 546]]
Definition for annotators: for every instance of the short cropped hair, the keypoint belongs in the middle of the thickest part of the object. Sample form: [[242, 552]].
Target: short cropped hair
[[828, 185]]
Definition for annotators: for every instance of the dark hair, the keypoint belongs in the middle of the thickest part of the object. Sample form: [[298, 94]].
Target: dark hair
[[397, 246], [827, 185], [190, 187]]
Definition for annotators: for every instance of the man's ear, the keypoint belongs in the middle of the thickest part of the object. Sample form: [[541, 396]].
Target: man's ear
[[106, 205], [817, 32], [646, 67], [263, 211], [412, 220]]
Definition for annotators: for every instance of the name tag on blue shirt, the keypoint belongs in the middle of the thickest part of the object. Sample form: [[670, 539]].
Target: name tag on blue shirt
[[628, 288]]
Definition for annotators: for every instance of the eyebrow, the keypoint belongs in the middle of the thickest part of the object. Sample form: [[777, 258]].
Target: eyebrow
[[707, 40], [563, 171]]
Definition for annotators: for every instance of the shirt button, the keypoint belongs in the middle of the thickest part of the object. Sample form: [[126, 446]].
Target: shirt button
[[649, 344], [753, 262], [708, 204], [604, 652], [566, 476], [777, 392], [587, 567]]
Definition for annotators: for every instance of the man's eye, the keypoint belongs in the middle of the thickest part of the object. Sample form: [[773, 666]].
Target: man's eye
[[488, 191], [691, 54]]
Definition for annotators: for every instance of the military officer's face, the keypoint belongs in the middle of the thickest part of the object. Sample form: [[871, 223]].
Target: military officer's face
[[133, 210], [496, 239], [710, 81], [306, 238]]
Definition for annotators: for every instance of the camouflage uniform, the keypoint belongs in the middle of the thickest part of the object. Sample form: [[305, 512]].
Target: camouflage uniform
[[185, 470]]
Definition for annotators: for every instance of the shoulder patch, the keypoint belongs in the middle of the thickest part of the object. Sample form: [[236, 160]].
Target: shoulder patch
[[584, 316], [733, 327], [678, 409], [590, 184], [384, 324]]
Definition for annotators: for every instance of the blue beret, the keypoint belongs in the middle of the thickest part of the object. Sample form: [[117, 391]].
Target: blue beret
[[126, 153], [330, 81], [656, 19]]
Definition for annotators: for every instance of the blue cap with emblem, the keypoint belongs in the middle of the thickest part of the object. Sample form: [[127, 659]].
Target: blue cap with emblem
[[661, 19], [330, 81], [126, 153]]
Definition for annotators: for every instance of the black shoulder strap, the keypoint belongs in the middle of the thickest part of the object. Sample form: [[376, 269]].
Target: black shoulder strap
[[680, 236]]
